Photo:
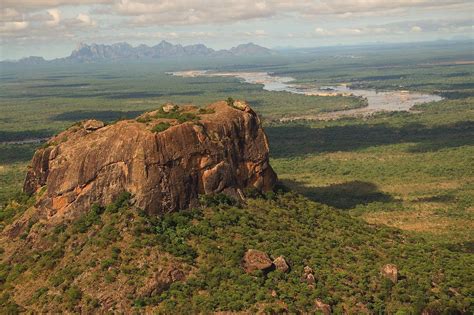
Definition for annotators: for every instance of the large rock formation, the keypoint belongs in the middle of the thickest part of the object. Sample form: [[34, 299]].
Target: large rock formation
[[165, 159]]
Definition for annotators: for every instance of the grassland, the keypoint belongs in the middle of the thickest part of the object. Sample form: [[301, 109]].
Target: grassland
[[413, 171]]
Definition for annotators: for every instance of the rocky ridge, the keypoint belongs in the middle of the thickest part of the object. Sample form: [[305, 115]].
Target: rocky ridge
[[120, 52]]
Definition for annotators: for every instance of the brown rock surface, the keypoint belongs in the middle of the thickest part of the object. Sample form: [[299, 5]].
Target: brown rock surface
[[281, 264], [256, 260], [308, 276], [161, 281], [322, 307], [224, 149], [91, 125], [390, 271]]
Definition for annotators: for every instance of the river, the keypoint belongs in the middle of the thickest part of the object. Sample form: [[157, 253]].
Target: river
[[377, 100]]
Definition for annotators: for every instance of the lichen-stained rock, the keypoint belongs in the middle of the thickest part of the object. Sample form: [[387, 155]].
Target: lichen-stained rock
[[220, 149]]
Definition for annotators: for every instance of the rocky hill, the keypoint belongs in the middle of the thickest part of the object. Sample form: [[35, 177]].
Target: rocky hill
[[165, 159]]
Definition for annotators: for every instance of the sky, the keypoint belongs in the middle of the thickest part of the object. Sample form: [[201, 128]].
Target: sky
[[53, 28]]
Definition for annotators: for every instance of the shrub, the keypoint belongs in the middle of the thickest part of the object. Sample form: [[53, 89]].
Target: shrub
[[162, 126], [73, 295], [230, 101], [184, 117], [92, 217], [217, 199], [203, 111], [120, 202], [144, 119]]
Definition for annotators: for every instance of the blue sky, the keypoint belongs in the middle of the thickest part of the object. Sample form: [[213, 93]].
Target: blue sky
[[52, 28]]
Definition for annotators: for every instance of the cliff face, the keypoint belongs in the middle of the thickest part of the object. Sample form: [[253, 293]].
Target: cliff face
[[220, 149]]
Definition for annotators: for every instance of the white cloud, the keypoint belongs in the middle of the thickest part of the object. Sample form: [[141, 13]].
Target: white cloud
[[8, 14], [199, 12], [55, 15], [343, 31], [347, 8], [32, 5], [256, 33], [13, 26], [416, 29], [86, 19], [185, 12]]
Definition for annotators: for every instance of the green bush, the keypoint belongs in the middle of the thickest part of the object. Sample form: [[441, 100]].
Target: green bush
[[217, 199], [92, 217], [144, 119], [203, 111], [162, 126], [73, 295], [230, 101]]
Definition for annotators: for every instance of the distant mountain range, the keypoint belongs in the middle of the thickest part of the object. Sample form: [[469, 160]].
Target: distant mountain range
[[98, 53]]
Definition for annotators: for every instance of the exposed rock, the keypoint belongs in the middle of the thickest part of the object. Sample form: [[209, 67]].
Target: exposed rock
[[92, 124], [390, 271], [161, 281], [256, 260], [240, 105], [281, 264], [307, 270], [224, 150], [310, 279], [308, 276], [322, 307], [167, 108]]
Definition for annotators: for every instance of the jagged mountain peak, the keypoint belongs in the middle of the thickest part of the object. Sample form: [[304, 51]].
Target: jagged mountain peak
[[123, 51]]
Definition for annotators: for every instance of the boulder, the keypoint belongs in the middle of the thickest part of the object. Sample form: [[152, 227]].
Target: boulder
[[308, 276], [310, 279], [167, 108], [307, 270], [322, 307], [160, 281], [281, 264], [224, 151], [390, 272], [256, 260], [92, 124]]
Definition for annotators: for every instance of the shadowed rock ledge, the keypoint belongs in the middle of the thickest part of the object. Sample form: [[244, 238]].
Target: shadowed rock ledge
[[165, 159]]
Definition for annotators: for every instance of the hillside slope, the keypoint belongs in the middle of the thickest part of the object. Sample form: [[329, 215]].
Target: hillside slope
[[118, 258]]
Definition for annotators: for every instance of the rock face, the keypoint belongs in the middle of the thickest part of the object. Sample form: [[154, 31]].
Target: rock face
[[256, 260], [218, 149]]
